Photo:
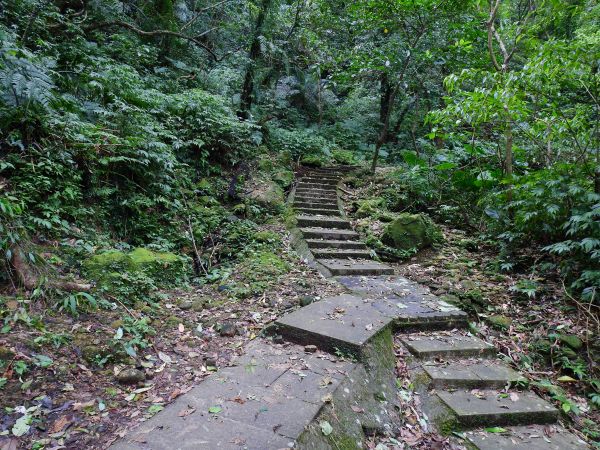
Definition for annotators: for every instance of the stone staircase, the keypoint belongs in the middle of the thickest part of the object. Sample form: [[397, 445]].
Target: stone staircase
[[334, 247], [326, 379]]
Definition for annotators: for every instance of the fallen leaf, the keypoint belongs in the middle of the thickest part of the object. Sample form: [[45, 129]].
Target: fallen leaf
[[181, 328], [514, 396], [186, 411], [215, 409], [165, 358], [566, 379], [495, 430], [326, 427], [59, 424], [79, 406], [357, 409]]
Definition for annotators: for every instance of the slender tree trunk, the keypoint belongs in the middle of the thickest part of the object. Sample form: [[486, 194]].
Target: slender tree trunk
[[247, 95], [508, 158], [388, 94]]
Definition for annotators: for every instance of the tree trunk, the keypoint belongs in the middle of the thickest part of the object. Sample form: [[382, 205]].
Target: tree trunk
[[247, 95], [508, 158], [388, 94]]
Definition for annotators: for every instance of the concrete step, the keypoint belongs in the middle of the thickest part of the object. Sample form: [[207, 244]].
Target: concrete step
[[333, 243], [532, 437], [318, 211], [477, 408], [316, 192], [328, 205], [470, 374], [336, 253], [447, 345], [316, 186], [332, 181], [355, 267], [324, 222], [305, 197], [342, 323], [328, 233]]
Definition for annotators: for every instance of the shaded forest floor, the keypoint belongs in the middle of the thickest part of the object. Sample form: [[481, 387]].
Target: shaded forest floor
[[79, 390]]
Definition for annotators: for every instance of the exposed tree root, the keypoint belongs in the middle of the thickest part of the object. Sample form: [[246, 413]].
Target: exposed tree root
[[30, 280]]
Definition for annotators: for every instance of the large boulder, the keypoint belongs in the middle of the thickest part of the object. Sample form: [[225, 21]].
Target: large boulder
[[163, 267], [410, 231], [268, 194]]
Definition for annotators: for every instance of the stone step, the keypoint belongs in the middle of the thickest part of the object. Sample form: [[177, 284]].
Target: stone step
[[260, 403], [324, 222], [447, 345], [333, 243], [336, 253], [328, 233], [320, 180], [342, 323], [318, 211], [306, 198], [355, 267], [329, 205], [533, 437], [470, 374], [315, 185], [327, 193], [493, 408]]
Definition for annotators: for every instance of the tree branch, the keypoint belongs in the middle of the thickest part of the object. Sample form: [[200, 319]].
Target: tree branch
[[154, 33]]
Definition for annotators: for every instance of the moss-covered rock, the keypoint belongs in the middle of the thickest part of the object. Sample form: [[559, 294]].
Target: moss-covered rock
[[314, 160], [162, 267], [369, 208], [268, 194], [411, 231], [500, 321], [571, 340]]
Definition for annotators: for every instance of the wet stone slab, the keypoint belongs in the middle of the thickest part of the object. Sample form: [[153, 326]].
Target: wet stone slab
[[534, 437], [447, 346], [489, 408], [265, 401], [355, 267], [344, 322], [470, 374]]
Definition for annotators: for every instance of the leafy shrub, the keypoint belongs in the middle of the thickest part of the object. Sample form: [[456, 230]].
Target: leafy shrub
[[344, 157]]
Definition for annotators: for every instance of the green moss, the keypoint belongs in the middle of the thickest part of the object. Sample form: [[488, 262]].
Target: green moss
[[411, 231], [571, 340], [267, 237], [500, 321], [343, 157], [163, 268], [269, 195], [369, 208], [314, 160]]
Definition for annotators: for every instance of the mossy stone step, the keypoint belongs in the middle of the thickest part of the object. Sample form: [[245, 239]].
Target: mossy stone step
[[320, 192], [335, 324], [318, 211], [333, 243], [328, 233], [331, 205], [319, 180], [493, 408], [533, 437], [326, 203], [340, 253], [325, 222], [355, 267], [301, 197], [470, 374], [447, 345]]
